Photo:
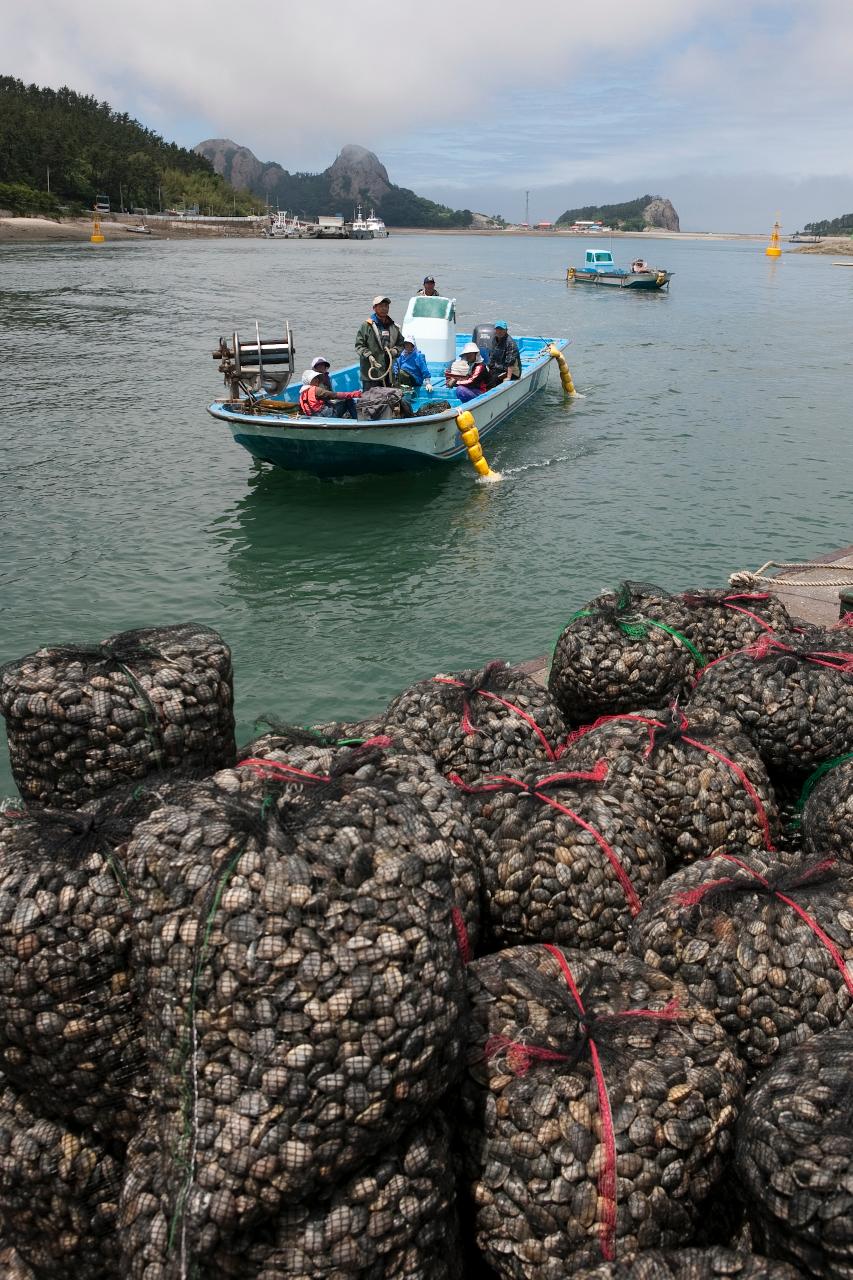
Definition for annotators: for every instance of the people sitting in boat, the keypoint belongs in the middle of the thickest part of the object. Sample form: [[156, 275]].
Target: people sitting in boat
[[411, 368], [317, 400], [639, 264], [428, 289], [322, 365], [475, 381], [378, 342], [504, 358]]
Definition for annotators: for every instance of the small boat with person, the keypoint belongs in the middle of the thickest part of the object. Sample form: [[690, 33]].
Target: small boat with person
[[600, 269], [263, 408]]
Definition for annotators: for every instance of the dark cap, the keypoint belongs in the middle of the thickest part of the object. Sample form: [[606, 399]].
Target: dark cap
[[429, 279]]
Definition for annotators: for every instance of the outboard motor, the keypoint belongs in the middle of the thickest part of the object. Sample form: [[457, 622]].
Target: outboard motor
[[256, 364], [482, 335]]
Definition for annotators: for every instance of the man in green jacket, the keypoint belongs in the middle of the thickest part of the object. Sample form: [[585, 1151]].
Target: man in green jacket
[[378, 342]]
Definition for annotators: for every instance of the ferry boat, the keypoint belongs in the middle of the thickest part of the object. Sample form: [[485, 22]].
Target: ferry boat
[[262, 411], [599, 268], [370, 228]]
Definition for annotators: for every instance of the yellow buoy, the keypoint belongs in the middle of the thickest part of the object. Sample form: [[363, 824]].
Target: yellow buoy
[[774, 249], [96, 237], [471, 440], [565, 375]]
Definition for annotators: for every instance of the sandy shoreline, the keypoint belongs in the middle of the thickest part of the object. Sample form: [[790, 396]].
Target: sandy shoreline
[[115, 231]]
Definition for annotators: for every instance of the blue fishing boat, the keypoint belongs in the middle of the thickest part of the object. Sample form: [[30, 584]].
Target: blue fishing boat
[[262, 411], [600, 269]]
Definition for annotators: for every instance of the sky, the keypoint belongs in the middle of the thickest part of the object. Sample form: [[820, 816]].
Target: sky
[[737, 110]]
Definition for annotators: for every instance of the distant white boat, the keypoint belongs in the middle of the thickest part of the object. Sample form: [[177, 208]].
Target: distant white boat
[[370, 228]]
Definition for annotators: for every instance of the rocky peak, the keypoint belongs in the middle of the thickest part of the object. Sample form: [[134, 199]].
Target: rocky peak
[[236, 164], [358, 174], [660, 213]]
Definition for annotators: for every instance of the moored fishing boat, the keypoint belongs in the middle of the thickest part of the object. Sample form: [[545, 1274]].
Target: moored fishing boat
[[370, 228], [263, 415], [599, 268]]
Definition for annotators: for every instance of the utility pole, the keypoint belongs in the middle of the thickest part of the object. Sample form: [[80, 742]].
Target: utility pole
[[48, 179], [527, 208]]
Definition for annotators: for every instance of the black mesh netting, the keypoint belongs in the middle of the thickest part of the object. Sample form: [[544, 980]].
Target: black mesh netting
[[597, 1110], [304, 990], [413, 774], [623, 650], [277, 735], [82, 718], [722, 621], [827, 821], [695, 1264], [563, 858], [794, 1157], [477, 722], [69, 1027], [59, 1192], [763, 940], [794, 699], [395, 1219], [702, 776]]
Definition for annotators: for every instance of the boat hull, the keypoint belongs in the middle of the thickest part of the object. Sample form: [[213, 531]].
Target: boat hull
[[332, 447], [643, 280]]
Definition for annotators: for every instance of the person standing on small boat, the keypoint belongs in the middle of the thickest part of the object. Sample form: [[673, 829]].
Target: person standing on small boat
[[411, 368], [504, 358], [428, 290], [378, 342], [476, 381], [317, 400]]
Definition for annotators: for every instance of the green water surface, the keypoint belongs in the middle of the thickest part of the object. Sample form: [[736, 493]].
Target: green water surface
[[713, 433]]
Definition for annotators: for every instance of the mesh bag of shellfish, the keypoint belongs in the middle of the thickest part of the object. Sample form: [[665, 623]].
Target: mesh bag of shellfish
[[723, 621], [794, 699], [304, 986], [69, 1032], [624, 650], [695, 1264], [81, 719], [827, 809], [563, 858], [279, 736], [764, 940], [379, 759], [794, 1157], [59, 1192], [477, 722], [597, 1110], [13, 1267], [701, 774], [393, 1220]]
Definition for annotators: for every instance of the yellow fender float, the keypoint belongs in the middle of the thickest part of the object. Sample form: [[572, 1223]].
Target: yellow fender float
[[471, 440], [565, 375]]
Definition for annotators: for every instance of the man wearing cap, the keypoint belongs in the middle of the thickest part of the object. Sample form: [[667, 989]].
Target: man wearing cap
[[378, 343], [428, 290], [411, 368], [504, 357], [317, 400], [475, 381]]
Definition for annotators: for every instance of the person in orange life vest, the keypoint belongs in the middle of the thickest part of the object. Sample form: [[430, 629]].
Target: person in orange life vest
[[315, 400], [476, 380]]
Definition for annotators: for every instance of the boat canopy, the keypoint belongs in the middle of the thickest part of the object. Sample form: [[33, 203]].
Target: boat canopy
[[599, 258], [432, 323]]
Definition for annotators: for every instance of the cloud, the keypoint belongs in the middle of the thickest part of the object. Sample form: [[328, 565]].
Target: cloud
[[287, 80]]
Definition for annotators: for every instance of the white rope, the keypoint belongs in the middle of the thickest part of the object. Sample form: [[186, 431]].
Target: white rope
[[744, 578]]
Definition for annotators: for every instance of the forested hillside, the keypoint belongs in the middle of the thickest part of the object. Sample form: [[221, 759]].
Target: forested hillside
[[842, 226], [631, 215], [59, 148]]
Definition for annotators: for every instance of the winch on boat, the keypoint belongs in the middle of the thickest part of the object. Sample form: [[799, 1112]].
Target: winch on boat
[[256, 366]]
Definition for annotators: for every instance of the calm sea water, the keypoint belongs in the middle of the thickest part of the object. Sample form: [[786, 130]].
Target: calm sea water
[[714, 432]]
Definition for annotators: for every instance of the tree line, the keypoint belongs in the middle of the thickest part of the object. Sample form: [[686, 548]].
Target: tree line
[[61, 149], [627, 216]]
